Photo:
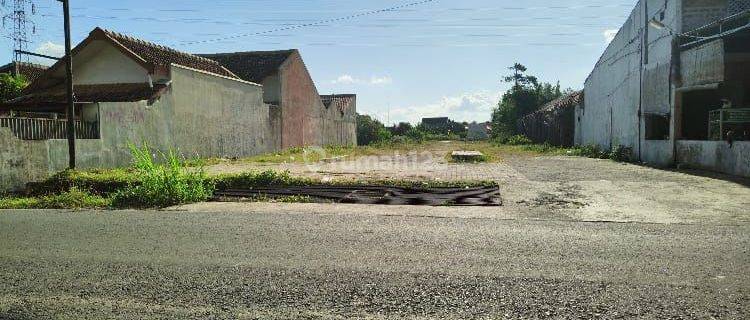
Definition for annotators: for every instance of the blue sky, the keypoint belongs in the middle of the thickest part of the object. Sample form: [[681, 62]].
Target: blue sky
[[444, 57]]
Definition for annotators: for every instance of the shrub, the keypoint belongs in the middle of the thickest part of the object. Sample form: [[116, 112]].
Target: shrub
[[518, 140], [162, 184], [72, 199], [621, 154], [255, 179]]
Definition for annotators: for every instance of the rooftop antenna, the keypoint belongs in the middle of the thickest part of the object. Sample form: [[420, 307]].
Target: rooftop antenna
[[19, 26]]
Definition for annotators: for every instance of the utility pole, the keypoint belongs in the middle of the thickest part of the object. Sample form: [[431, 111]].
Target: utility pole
[[69, 85]]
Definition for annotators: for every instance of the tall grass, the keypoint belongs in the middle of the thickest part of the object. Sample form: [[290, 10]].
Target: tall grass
[[162, 180]]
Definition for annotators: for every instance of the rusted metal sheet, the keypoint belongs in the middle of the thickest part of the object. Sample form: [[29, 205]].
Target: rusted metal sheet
[[703, 64], [383, 195]]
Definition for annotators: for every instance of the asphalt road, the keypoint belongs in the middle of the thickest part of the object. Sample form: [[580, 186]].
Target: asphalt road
[[347, 264]]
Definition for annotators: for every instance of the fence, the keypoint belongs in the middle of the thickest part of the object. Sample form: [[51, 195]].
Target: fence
[[43, 129], [722, 120]]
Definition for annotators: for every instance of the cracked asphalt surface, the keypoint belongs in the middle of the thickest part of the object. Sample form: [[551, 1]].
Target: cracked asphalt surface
[[272, 261]]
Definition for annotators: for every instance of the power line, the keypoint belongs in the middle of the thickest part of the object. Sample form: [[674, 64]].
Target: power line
[[19, 17], [358, 15]]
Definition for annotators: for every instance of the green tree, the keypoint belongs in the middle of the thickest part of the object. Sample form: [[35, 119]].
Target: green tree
[[401, 129], [11, 86], [524, 97], [370, 130]]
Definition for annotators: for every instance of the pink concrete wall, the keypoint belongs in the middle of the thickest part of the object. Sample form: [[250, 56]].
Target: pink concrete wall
[[302, 108]]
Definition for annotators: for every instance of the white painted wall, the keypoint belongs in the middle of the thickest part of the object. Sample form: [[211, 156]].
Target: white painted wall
[[101, 63], [716, 156], [613, 93], [200, 115]]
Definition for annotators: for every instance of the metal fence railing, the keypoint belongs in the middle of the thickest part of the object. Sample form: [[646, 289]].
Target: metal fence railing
[[43, 129], [720, 121]]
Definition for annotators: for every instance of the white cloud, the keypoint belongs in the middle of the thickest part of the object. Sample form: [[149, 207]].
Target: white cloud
[[51, 49], [609, 35], [347, 79], [468, 106], [381, 80]]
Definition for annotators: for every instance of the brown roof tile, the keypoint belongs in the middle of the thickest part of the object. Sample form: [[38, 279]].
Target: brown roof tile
[[31, 71], [253, 66], [566, 101], [118, 92], [160, 55]]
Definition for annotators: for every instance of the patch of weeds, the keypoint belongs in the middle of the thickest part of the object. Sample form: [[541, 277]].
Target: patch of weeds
[[474, 159], [162, 184], [545, 148], [72, 199], [98, 182], [621, 154], [270, 178], [589, 151], [518, 140], [282, 199], [254, 179]]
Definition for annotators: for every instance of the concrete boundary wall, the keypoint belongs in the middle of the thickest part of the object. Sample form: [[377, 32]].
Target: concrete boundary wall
[[200, 115], [716, 156]]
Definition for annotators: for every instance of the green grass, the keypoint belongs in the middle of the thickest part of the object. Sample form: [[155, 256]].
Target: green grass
[[73, 199], [269, 178], [162, 183], [100, 182], [313, 154]]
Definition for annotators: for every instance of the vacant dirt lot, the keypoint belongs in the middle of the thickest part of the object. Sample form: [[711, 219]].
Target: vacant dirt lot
[[552, 187], [557, 249]]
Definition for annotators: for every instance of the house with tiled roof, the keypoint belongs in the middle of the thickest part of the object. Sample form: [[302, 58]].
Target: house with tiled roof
[[133, 91], [554, 122], [30, 71], [340, 119], [287, 83]]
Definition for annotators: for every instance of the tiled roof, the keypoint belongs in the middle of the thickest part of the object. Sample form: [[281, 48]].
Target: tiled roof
[[31, 71], [253, 66], [337, 100], [118, 92], [342, 102], [567, 101], [160, 55]]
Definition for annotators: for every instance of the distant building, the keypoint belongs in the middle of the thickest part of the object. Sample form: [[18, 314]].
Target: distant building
[[440, 124], [479, 131], [554, 122], [673, 86], [30, 71]]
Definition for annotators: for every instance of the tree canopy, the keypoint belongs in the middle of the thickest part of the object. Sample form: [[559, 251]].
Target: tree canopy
[[11, 86], [525, 96]]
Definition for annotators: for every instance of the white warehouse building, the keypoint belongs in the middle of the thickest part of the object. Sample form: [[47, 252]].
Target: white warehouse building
[[674, 86]]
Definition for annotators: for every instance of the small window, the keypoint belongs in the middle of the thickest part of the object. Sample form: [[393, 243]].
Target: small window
[[657, 126]]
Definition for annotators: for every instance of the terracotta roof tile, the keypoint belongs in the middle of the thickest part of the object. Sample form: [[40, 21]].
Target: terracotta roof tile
[[164, 56], [253, 66], [340, 101], [31, 71], [566, 101], [119, 92]]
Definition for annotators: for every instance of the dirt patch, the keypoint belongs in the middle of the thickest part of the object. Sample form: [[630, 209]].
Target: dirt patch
[[555, 187]]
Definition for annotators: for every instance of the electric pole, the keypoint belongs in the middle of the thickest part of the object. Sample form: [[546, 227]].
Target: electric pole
[[69, 87]]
